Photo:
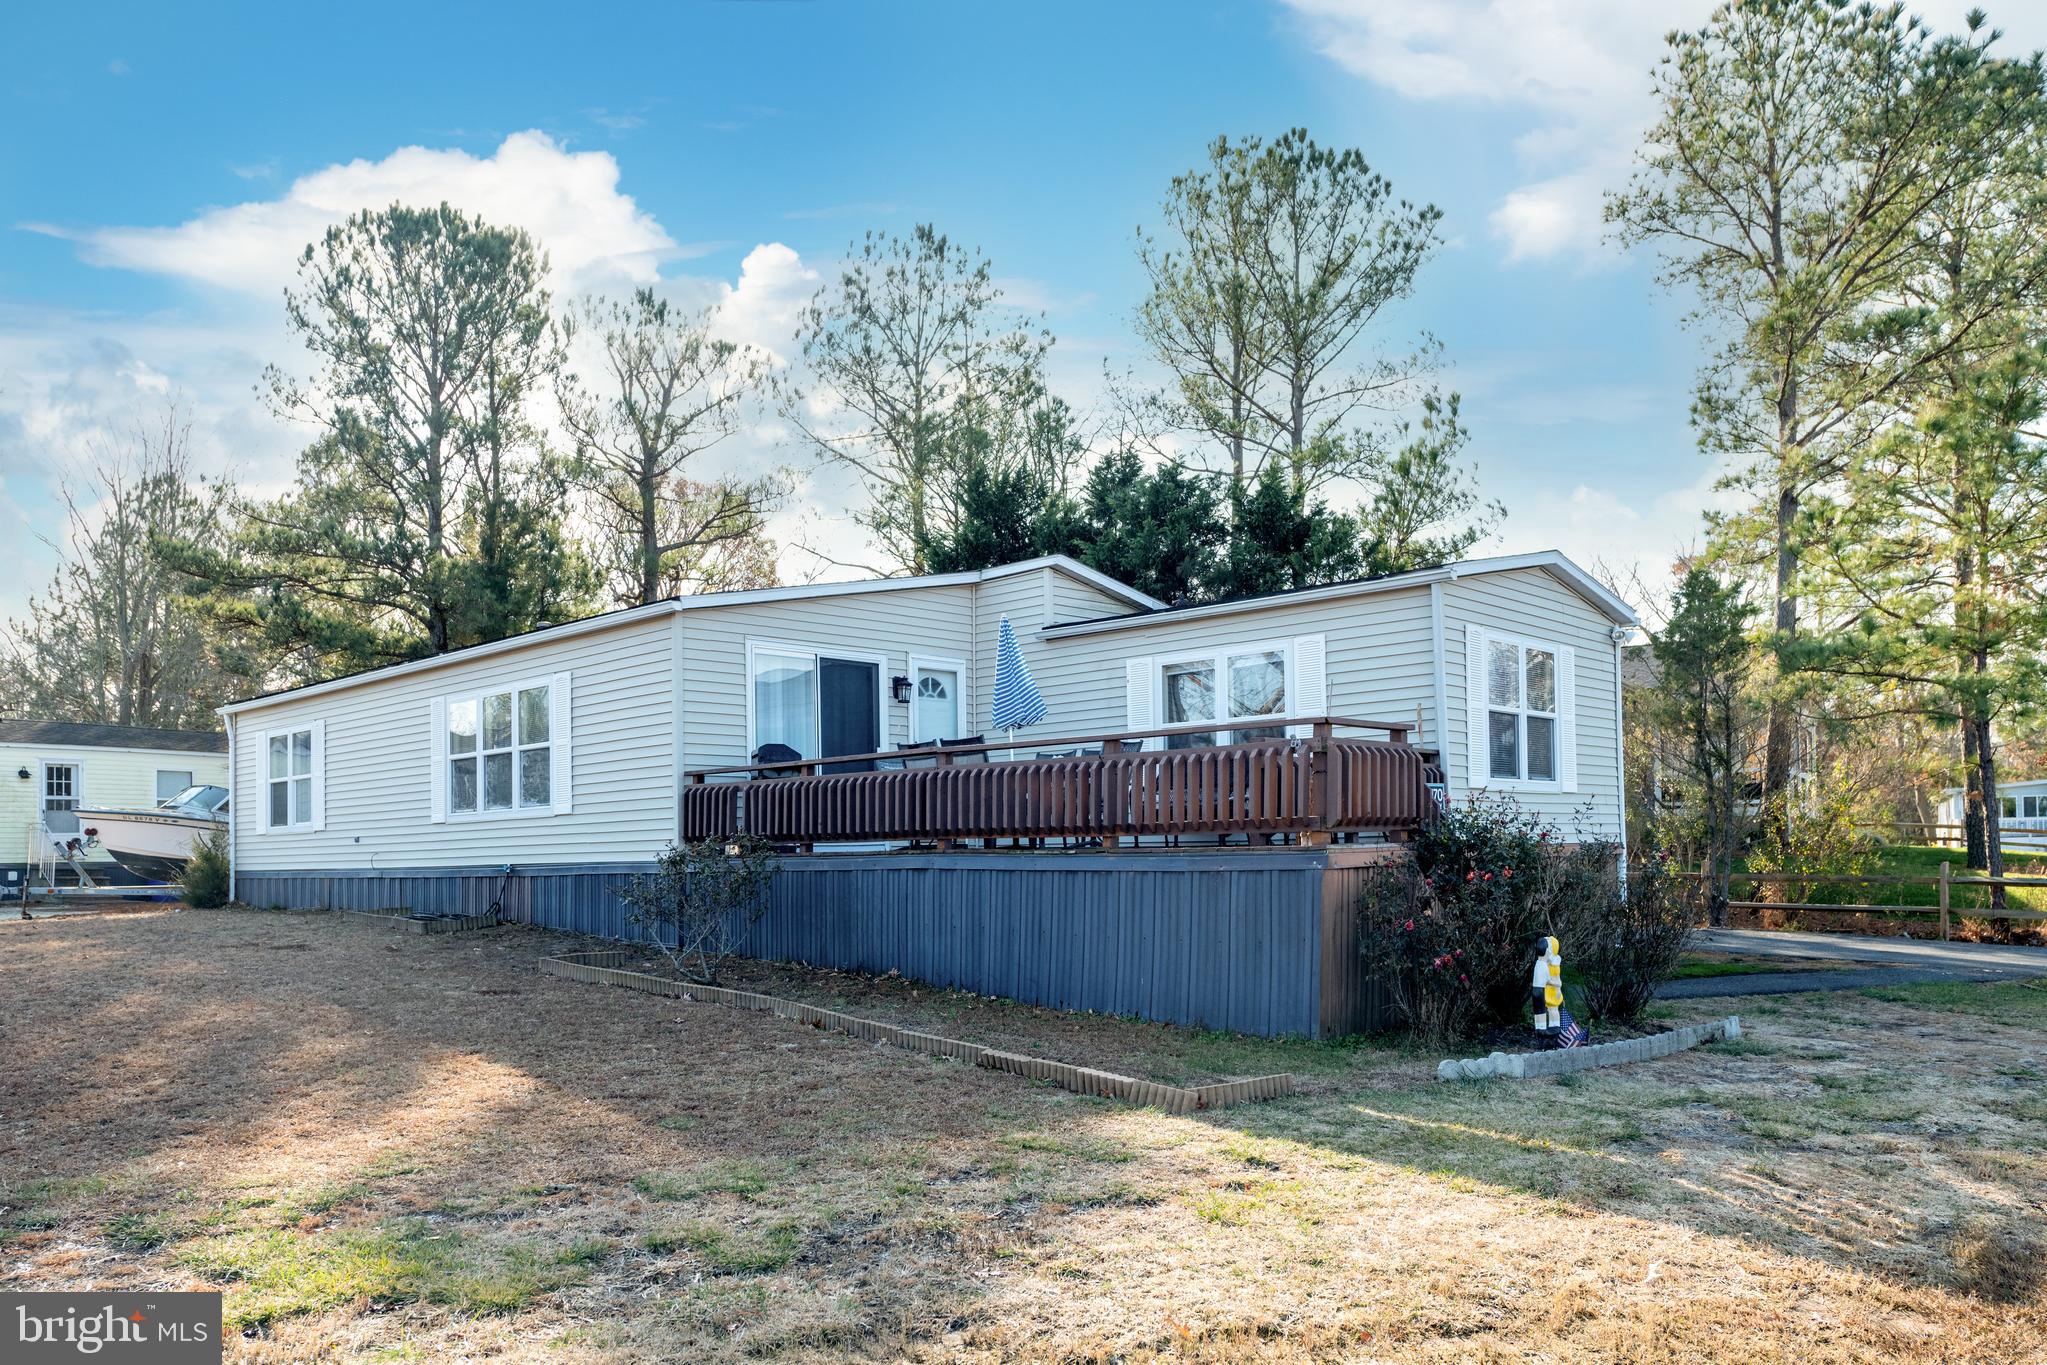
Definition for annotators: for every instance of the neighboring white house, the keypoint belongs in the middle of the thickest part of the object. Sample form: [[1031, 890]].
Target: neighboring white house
[[51, 765], [2021, 806], [568, 747]]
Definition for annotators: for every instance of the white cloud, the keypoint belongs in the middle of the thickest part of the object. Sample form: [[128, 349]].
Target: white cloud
[[1582, 69], [595, 236], [74, 383], [1633, 540], [762, 308]]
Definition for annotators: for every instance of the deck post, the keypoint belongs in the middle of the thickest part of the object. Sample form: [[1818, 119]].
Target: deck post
[[1946, 874], [1321, 799], [1110, 748], [942, 759]]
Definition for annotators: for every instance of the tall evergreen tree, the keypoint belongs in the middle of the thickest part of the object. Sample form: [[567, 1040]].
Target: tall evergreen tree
[[1799, 147], [1280, 259], [1702, 698], [1941, 544], [422, 519]]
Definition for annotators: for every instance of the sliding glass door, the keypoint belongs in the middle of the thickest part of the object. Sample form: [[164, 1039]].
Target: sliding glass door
[[816, 704]]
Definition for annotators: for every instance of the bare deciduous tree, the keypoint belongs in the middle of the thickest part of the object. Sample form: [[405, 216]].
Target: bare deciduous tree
[[112, 640], [669, 391]]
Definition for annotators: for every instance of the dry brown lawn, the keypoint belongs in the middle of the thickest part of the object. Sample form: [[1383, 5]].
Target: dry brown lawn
[[391, 1147]]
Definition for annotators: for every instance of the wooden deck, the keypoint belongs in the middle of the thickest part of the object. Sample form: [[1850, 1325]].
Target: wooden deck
[[1105, 791]]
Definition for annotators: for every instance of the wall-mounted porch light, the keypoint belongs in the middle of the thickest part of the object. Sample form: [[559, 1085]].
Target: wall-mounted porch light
[[899, 687]]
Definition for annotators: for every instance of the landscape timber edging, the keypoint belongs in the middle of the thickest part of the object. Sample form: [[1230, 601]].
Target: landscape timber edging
[[603, 967], [1530, 1065], [450, 924]]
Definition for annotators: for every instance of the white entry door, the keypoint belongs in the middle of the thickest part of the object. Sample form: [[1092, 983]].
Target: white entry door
[[937, 703]]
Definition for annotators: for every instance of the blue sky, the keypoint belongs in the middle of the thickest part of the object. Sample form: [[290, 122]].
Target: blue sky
[[163, 167]]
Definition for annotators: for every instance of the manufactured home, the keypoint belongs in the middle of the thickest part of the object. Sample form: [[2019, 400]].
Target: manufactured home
[[2021, 819], [49, 769], [1180, 835]]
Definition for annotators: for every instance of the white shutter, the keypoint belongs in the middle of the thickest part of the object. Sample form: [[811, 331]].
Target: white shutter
[[561, 765], [437, 756], [262, 782], [1138, 703], [1567, 718], [319, 728], [1477, 774], [1310, 695]]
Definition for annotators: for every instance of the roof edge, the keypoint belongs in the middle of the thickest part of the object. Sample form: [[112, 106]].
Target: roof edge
[[1555, 562], [611, 620]]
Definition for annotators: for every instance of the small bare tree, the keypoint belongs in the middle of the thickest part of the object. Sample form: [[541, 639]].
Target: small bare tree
[[703, 900]]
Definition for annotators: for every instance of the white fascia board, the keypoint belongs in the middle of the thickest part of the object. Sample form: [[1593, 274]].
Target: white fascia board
[[1073, 568], [1561, 568], [29, 748]]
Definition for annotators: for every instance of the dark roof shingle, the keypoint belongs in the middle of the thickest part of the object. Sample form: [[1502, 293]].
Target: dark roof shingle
[[90, 736]]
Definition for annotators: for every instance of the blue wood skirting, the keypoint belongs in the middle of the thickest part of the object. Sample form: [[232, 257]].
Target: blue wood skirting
[[1252, 941]]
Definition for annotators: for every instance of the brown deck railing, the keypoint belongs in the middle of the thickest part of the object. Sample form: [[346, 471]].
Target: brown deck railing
[[1308, 789]]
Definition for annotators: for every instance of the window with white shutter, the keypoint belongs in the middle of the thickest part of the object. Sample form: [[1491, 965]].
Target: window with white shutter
[[502, 750]]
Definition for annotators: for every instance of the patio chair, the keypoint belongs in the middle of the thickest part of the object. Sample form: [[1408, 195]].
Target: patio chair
[[774, 753]]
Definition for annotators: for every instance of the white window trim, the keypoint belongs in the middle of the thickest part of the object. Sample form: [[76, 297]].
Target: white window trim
[[316, 818], [756, 647], [556, 687], [940, 662], [43, 766], [1219, 654], [1564, 732], [191, 779]]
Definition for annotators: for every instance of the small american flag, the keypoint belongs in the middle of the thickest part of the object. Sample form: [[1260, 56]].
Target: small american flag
[[1571, 1033]]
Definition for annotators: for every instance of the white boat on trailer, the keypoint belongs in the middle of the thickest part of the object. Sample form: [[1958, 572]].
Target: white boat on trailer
[[155, 844]]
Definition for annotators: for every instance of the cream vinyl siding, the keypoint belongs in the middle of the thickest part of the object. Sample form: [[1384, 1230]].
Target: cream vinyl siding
[[121, 778], [893, 625], [378, 763], [1076, 599], [1376, 659], [1530, 605]]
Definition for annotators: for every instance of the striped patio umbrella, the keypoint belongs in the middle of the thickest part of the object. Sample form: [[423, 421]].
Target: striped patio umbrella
[[1017, 699]]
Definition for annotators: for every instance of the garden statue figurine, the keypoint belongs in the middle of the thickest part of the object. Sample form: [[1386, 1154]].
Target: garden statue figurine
[[1546, 987]]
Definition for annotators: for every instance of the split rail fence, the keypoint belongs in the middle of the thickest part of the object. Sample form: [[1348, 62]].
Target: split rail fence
[[1943, 907]]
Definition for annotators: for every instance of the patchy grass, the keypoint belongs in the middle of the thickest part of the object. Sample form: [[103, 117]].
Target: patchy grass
[[732, 1177], [753, 1251], [2022, 1004], [270, 1273], [1696, 965], [375, 1160]]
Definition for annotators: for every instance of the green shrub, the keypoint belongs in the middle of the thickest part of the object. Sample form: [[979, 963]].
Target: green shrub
[[1451, 935], [204, 880], [1618, 948]]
